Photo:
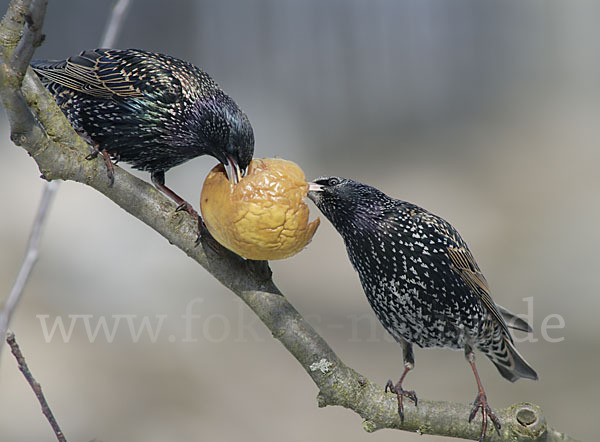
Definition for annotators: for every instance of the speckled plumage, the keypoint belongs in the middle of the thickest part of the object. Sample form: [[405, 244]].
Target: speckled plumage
[[150, 110], [419, 276]]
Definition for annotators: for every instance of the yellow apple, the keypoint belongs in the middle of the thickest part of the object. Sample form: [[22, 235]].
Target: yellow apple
[[264, 216]]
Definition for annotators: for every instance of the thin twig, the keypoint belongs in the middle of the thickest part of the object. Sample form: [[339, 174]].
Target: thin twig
[[115, 23], [35, 386], [33, 248]]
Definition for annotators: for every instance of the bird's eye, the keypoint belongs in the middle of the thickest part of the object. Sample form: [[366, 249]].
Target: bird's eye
[[333, 182]]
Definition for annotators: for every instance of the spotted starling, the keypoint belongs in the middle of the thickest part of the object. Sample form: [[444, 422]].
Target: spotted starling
[[150, 110], [422, 282]]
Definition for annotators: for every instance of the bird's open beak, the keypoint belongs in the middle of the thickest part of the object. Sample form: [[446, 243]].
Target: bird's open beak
[[314, 187], [233, 170]]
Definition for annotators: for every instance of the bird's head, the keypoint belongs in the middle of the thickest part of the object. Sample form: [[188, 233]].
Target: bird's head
[[227, 135], [345, 201], [239, 148], [328, 191]]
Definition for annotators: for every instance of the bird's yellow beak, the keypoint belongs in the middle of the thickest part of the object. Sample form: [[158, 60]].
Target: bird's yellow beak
[[314, 187], [234, 174]]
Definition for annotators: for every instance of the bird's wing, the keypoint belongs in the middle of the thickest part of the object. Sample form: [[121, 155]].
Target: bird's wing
[[465, 265], [103, 73]]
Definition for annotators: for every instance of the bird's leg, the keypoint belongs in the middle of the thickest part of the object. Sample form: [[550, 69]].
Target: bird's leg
[[401, 392], [110, 169], [481, 400], [158, 179], [409, 363]]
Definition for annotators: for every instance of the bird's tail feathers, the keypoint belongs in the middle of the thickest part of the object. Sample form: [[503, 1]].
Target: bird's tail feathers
[[509, 361], [513, 321]]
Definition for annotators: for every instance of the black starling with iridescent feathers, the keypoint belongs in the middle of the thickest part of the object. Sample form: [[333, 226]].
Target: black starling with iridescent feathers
[[422, 282], [150, 110]]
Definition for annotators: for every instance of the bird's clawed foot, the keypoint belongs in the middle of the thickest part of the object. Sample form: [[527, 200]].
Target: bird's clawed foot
[[158, 179], [202, 232], [110, 168], [184, 206], [204, 235], [260, 268], [486, 413], [400, 393]]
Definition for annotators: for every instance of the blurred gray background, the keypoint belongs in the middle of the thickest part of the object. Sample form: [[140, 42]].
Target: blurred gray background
[[485, 113]]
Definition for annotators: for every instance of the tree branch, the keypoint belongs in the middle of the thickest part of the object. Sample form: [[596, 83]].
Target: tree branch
[[32, 37], [40, 128]]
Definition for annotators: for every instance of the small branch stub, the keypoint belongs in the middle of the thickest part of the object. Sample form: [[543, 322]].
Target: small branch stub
[[529, 421], [526, 417]]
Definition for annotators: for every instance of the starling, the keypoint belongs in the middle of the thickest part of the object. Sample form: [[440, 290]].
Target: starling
[[150, 110], [422, 282]]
